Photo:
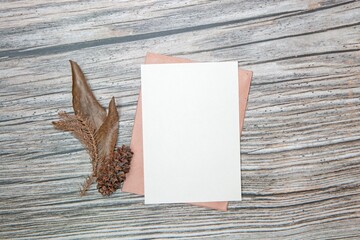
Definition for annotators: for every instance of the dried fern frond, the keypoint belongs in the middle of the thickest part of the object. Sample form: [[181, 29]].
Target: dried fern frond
[[82, 130], [85, 132]]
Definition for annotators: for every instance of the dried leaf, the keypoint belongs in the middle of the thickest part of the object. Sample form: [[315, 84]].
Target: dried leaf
[[84, 101], [106, 136]]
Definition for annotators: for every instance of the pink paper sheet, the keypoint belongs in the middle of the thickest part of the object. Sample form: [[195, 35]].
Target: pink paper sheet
[[134, 182]]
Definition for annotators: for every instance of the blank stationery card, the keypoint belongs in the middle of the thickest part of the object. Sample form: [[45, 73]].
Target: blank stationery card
[[191, 135]]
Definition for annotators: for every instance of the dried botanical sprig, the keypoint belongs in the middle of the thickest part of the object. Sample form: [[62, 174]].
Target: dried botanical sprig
[[82, 130], [98, 132]]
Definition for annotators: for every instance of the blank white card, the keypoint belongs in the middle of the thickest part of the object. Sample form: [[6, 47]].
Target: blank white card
[[191, 132]]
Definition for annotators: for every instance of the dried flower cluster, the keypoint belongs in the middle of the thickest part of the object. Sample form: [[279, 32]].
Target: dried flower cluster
[[98, 132]]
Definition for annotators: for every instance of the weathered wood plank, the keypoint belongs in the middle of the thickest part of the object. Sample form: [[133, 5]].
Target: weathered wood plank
[[300, 145]]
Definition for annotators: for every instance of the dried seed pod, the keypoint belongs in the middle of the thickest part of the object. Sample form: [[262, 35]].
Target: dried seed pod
[[112, 172]]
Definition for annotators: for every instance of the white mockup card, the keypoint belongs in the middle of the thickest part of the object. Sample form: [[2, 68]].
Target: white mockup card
[[191, 135]]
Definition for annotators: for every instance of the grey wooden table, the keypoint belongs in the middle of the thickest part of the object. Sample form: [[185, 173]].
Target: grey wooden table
[[301, 138]]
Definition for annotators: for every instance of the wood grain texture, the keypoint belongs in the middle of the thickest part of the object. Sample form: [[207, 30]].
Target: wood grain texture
[[301, 138]]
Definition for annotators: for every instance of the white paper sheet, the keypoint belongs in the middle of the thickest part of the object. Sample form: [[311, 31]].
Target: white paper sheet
[[191, 134]]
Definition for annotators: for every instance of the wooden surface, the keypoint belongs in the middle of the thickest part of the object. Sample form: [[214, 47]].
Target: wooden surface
[[301, 138]]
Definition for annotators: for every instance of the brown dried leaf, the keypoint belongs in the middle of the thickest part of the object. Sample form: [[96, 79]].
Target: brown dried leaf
[[106, 136], [84, 102]]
